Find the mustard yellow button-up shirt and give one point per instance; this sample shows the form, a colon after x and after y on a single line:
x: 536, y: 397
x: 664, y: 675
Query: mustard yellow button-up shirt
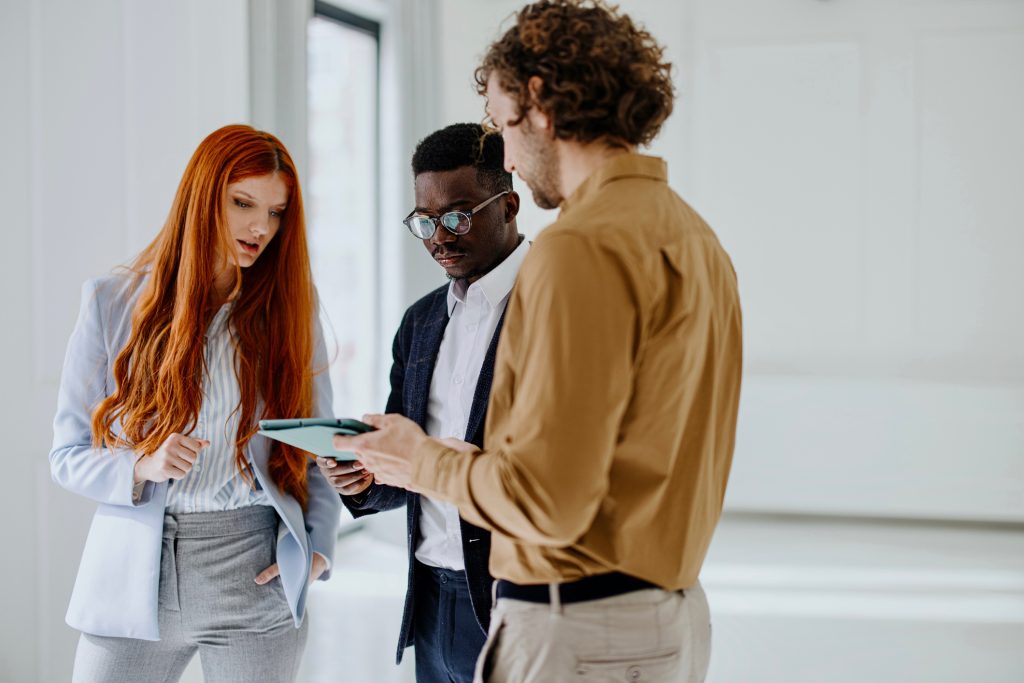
x: 612, y: 416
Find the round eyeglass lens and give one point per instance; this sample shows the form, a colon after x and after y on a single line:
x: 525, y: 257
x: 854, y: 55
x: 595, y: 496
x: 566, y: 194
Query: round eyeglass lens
x: 422, y: 226
x: 456, y: 222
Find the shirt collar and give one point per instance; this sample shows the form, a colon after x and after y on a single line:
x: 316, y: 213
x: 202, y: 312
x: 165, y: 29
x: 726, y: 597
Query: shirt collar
x: 628, y: 165
x: 495, y: 285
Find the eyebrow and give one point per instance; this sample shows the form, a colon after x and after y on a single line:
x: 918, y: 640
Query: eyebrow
x: 249, y: 196
x: 450, y: 207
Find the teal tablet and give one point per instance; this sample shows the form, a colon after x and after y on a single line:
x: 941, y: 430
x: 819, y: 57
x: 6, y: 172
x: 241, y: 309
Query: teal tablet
x: 314, y: 434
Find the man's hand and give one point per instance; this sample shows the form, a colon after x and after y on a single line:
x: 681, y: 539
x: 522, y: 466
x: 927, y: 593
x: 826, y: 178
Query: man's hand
x: 347, y: 478
x: 390, y: 452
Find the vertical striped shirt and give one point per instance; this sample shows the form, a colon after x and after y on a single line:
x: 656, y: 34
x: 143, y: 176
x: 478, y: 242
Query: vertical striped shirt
x: 214, y: 484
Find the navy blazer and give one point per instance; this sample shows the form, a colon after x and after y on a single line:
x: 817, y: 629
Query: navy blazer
x: 414, y: 351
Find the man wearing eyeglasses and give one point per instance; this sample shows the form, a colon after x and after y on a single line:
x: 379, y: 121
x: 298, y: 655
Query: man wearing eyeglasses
x: 441, y: 379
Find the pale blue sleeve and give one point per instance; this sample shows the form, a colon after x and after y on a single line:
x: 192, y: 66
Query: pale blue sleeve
x: 101, y: 474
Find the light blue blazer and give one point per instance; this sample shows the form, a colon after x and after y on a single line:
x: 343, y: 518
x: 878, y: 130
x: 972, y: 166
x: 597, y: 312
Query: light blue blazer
x: 116, y: 589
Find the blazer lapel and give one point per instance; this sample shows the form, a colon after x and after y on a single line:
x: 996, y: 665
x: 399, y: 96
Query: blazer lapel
x: 422, y: 359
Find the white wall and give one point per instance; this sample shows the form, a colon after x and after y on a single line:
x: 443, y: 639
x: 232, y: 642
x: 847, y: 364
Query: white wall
x: 861, y: 164
x: 103, y: 103
x: 18, y: 655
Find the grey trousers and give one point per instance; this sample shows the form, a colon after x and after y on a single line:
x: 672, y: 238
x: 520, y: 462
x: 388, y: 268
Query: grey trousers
x: 209, y: 604
x: 648, y: 636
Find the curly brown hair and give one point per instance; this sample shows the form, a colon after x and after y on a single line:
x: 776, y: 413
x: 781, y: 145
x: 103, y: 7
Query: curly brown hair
x: 603, y: 76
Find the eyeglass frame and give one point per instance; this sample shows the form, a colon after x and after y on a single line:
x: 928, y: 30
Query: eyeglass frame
x: 437, y: 222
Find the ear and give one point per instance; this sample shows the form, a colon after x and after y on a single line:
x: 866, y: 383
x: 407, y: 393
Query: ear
x: 511, y: 206
x: 534, y: 86
x: 538, y: 118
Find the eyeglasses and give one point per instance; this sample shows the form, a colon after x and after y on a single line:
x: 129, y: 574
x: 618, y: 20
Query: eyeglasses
x: 455, y: 222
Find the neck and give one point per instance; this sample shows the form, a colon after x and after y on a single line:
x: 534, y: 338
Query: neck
x: 579, y: 160
x: 223, y: 283
x: 500, y: 259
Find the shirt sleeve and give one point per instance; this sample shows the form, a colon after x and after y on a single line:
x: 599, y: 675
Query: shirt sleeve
x: 571, y: 352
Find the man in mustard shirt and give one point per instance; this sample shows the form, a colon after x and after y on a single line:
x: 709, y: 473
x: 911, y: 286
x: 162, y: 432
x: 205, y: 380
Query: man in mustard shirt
x: 612, y: 416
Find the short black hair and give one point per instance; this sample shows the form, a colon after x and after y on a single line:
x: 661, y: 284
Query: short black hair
x: 464, y: 144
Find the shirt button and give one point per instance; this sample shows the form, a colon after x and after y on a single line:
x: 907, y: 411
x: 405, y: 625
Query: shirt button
x: 457, y: 379
x: 470, y: 328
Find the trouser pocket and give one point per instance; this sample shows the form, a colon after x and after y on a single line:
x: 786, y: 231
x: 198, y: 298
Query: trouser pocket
x: 485, y: 662
x: 630, y: 668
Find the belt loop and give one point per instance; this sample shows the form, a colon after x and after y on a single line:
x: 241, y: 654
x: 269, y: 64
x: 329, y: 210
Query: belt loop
x: 494, y: 592
x: 556, y: 598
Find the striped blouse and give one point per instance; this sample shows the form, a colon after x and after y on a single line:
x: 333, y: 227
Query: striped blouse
x: 213, y: 484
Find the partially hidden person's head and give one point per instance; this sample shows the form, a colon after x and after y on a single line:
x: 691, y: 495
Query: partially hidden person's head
x: 577, y: 71
x: 465, y: 205
x: 236, y: 230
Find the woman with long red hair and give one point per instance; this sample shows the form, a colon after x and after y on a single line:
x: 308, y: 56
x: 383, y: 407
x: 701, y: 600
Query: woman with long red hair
x: 207, y: 534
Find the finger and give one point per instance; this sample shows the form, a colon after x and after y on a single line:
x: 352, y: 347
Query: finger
x: 183, y: 454
x: 326, y: 463
x: 175, y: 472
x: 375, y: 420
x: 344, y: 467
x: 183, y: 462
x: 350, y: 467
x: 349, y: 443
x: 348, y: 479
x: 359, y: 486
x: 267, y: 574
x: 355, y: 489
x: 192, y: 444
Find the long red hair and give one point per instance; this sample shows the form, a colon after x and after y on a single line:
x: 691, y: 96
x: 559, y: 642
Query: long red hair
x: 159, y: 373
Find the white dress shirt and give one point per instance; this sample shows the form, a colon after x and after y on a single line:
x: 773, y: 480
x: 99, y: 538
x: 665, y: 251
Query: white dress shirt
x: 473, y: 311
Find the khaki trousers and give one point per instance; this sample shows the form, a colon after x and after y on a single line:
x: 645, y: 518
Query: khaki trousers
x: 649, y: 636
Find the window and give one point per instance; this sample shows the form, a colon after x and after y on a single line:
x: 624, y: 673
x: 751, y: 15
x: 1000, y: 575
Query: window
x: 343, y: 199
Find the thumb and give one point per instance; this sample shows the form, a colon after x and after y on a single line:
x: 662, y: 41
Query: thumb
x: 267, y: 574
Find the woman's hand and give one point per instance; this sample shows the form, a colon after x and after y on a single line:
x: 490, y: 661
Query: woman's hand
x: 173, y: 460
x: 347, y: 478
x: 318, y: 568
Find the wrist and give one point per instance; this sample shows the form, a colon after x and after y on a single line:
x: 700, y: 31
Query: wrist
x: 359, y: 498
x: 139, y: 475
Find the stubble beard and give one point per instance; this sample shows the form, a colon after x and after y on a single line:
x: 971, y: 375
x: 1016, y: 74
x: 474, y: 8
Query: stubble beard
x: 544, y: 169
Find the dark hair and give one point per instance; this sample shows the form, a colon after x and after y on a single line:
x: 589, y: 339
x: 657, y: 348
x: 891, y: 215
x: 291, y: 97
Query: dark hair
x: 464, y: 144
x: 603, y: 76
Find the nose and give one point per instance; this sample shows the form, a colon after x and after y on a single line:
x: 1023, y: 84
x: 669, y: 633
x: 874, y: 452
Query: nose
x: 260, y: 226
x: 442, y: 236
